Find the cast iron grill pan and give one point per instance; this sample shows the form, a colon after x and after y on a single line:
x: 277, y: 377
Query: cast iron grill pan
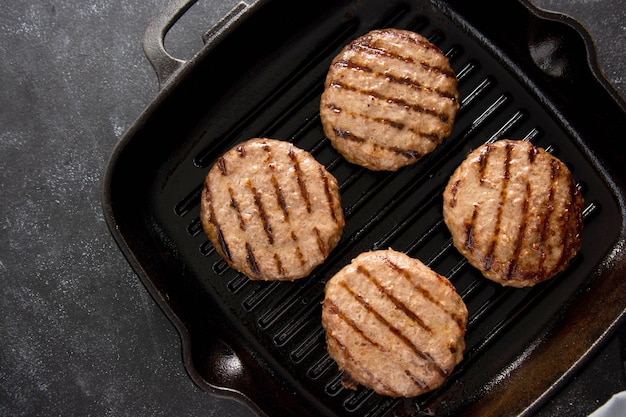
x: 263, y: 342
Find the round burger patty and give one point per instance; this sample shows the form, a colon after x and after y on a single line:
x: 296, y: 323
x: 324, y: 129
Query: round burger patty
x: 390, y: 98
x: 515, y: 212
x: 393, y: 324
x: 271, y: 210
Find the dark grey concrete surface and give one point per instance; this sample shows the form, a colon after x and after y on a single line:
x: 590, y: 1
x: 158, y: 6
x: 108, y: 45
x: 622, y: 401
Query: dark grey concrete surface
x: 80, y: 335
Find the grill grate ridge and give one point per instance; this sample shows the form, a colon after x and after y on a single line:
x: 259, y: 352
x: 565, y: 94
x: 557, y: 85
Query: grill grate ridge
x: 310, y: 343
x: 308, y: 315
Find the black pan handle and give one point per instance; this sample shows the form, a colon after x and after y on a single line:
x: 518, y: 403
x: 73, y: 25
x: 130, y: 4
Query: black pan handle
x: 164, y: 64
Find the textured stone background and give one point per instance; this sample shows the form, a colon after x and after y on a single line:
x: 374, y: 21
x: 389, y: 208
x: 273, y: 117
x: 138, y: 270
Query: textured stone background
x: 80, y: 334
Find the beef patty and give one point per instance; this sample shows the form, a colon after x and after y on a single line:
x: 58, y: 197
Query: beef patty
x: 271, y: 210
x: 393, y: 324
x: 390, y: 98
x: 514, y: 211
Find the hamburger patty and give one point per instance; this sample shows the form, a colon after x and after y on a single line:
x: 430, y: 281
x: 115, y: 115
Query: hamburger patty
x: 514, y: 212
x: 271, y: 210
x: 390, y: 98
x: 393, y: 324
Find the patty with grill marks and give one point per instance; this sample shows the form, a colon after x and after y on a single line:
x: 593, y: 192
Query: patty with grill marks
x: 390, y: 97
x: 271, y: 210
x: 393, y: 324
x: 515, y: 212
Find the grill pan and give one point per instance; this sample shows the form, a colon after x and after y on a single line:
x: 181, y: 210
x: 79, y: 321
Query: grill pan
x: 526, y: 74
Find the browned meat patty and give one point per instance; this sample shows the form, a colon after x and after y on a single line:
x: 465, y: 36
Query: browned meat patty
x: 514, y: 212
x: 393, y: 324
x: 390, y: 98
x: 271, y: 210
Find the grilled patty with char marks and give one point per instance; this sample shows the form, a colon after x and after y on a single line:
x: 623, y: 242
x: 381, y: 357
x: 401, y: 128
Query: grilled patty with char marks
x: 390, y: 97
x: 271, y: 210
x: 515, y: 212
x: 393, y: 324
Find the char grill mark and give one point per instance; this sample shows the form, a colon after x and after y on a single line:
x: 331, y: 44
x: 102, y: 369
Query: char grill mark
x: 329, y: 196
x: 262, y: 212
x: 223, y: 244
x: 424, y: 386
x: 399, y: 304
x: 254, y: 266
x: 279, y: 265
x: 396, y: 125
x: 403, y: 104
x: 532, y: 153
x: 221, y: 163
x: 394, y: 330
x: 345, y: 351
x: 300, y: 180
x: 424, y: 292
x: 503, y: 195
x: 405, y: 81
x: 407, y: 153
x: 470, y: 241
x: 320, y: 243
x: 353, y: 325
x: 455, y: 190
x: 300, y: 255
x: 298, y: 251
x: 282, y: 203
x: 482, y: 163
x: 366, y: 45
x: 235, y: 206
x: 348, y: 135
